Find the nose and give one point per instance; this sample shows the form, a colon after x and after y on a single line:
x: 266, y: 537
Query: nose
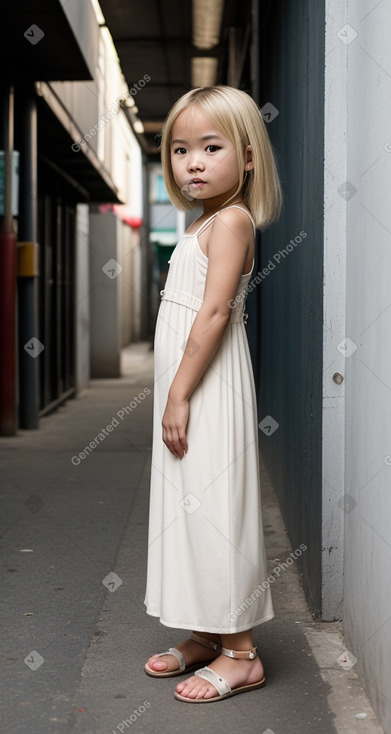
x: 195, y: 163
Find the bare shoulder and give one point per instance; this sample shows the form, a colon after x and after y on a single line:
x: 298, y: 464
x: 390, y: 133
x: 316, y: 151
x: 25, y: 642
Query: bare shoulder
x: 230, y: 227
x: 237, y: 221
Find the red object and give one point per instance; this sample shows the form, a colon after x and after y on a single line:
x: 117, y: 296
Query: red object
x: 123, y: 212
x: 134, y: 222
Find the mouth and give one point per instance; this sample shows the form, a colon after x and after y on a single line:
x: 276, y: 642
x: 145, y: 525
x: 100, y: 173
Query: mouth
x: 196, y: 181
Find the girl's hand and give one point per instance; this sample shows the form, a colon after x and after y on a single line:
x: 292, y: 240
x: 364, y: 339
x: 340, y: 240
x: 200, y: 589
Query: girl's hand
x: 174, y: 422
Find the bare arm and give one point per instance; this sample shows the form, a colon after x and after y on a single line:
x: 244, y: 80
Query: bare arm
x: 229, y: 240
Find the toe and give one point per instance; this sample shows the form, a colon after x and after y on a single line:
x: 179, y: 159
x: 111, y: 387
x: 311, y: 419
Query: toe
x: 194, y: 688
x: 193, y: 692
x: 158, y: 665
x: 210, y: 692
x: 162, y: 664
x: 202, y: 692
x: 189, y: 687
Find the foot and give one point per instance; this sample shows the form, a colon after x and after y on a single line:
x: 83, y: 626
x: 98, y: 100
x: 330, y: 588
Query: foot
x: 192, y: 651
x: 236, y: 672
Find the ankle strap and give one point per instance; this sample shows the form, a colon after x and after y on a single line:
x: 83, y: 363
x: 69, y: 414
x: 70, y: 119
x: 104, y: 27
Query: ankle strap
x: 205, y: 642
x: 239, y: 654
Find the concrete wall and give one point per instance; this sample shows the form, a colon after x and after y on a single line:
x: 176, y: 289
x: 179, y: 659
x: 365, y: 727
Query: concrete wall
x: 115, y: 291
x: 289, y: 297
x: 105, y: 324
x: 131, y: 296
x: 334, y: 315
x: 367, y: 606
x: 82, y: 306
x: 321, y: 315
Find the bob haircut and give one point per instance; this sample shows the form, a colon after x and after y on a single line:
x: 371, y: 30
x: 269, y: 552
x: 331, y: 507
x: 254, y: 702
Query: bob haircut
x: 238, y: 118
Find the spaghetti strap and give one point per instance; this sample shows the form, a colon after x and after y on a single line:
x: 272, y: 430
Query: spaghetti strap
x: 205, y: 224
x: 235, y: 206
x: 212, y: 217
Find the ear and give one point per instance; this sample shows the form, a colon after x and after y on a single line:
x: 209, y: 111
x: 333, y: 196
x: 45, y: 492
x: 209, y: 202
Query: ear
x: 249, y: 159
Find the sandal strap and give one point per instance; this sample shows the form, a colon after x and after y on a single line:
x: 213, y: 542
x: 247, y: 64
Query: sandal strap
x: 177, y: 654
x: 205, y: 642
x: 219, y: 683
x: 240, y: 654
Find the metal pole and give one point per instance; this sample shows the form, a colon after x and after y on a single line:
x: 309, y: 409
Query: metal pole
x: 8, y: 422
x: 146, y: 261
x: 29, y: 344
x: 254, y: 64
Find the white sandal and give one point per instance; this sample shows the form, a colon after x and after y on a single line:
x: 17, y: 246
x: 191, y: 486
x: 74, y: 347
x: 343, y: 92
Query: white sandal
x: 221, y: 685
x: 183, y: 668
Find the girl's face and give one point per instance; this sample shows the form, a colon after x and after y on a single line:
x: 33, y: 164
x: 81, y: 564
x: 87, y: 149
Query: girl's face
x: 204, y: 162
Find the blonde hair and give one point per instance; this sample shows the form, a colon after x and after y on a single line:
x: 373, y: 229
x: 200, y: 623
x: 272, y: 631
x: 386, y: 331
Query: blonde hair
x: 238, y: 118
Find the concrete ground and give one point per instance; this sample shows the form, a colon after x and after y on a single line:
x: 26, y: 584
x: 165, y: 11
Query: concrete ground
x: 75, y: 634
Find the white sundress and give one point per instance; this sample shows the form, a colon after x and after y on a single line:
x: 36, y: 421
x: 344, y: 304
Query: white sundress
x: 206, y: 555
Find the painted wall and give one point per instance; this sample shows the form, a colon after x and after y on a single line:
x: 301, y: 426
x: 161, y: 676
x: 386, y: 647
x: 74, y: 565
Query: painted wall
x: 289, y: 297
x: 323, y: 366
x: 334, y: 316
x: 82, y: 306
x: 114, y: 291
x: 105, y: 278
x: 131, y: 294
x: 367, y: 598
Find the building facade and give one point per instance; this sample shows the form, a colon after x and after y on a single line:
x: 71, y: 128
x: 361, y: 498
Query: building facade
x: 78, y: 207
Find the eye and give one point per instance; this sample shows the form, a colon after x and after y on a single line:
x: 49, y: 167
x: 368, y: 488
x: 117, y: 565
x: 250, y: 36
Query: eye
x: 212, y: 148
x: 180, y: 151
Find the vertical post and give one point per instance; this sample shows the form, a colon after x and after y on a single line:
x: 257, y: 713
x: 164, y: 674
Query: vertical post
x: 255, y: 68
x: 8, y: 422
x: 146, y: 259
x: 29, y: 344
x: 232, y: 74
x: 254, y: 299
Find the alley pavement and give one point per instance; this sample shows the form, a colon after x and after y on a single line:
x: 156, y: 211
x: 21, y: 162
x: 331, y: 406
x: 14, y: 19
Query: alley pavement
x: 74, y: 632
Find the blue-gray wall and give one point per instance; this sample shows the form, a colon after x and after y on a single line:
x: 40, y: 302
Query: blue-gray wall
x: 286, y: 307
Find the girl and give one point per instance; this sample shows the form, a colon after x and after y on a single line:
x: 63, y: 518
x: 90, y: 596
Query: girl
x: 206, y: 556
